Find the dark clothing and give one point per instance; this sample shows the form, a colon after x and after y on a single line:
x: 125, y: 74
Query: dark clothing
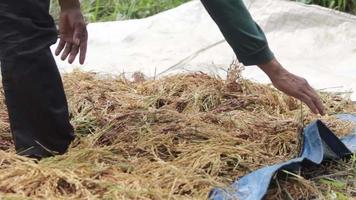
x: 33, y: 88
x: 240, y: 31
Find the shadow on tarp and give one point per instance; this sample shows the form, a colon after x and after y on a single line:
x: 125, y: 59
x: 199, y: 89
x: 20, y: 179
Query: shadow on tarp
x: 320, y: 144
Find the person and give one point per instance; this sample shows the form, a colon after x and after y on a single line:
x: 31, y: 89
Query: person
x: 34, y: 93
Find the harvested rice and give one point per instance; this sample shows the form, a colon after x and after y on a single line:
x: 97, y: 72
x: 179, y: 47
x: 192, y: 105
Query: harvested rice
x: 175, y: 138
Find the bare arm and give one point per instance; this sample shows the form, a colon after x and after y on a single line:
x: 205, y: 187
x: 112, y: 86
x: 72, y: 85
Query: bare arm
x: 69, y: 4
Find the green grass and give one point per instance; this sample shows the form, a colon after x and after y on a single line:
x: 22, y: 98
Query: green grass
x: 113, y: 10
x: 341, y: 5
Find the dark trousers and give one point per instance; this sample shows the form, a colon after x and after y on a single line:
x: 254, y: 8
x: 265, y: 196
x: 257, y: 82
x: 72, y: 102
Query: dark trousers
x: 33, y: 87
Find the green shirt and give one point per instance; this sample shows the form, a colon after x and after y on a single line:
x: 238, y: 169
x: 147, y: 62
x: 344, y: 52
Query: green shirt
x: 240, y: 31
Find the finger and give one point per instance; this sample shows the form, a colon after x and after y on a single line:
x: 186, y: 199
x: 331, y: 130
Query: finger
x: 66, y: 51
x: 83, y: 48
x: 60, y: 47
x: 78, y: 33
x: 83, y: 52
x: 73, y: 54
x: 316, y: 99
x: 307, y: 100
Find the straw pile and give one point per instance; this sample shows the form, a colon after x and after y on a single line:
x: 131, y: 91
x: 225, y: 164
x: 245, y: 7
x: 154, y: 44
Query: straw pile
x: 174, y: 138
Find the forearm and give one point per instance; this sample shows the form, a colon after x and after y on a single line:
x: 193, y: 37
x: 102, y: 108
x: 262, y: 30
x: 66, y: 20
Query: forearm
x: 272, y: 68
x: 69, y: 4
x: 240, y: 30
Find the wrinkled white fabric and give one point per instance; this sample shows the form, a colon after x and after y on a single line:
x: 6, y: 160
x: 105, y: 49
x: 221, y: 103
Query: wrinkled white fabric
x: 316, y: 43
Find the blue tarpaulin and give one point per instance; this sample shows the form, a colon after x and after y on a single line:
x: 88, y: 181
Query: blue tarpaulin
x: 320, y: 144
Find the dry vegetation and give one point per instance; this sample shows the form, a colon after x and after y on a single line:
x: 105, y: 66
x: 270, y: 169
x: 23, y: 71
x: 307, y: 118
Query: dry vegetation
x: 174, y: 138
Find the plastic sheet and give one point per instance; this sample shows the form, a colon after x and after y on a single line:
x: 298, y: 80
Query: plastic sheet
x: 320, y: 144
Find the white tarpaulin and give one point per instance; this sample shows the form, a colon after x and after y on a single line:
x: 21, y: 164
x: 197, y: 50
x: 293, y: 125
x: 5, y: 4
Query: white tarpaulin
x: 316, y: 43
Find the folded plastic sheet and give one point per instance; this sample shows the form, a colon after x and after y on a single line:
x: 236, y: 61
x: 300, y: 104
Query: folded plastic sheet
x: 320, y: 144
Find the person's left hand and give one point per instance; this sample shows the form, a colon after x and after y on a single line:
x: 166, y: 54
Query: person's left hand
x: 73, y: 35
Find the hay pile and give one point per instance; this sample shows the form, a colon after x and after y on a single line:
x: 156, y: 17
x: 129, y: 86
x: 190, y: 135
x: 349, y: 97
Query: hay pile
x: 174, y: 138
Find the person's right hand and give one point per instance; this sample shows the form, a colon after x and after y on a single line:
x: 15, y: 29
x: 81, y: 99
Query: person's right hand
x: 73, y: 32
x: 293, y: 85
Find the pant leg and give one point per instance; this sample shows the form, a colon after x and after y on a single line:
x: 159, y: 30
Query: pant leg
x: 33, y: 87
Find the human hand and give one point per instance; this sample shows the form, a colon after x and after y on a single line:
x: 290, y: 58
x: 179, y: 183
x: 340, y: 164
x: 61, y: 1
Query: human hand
x: 73, y: 35
x: 293, y: 85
